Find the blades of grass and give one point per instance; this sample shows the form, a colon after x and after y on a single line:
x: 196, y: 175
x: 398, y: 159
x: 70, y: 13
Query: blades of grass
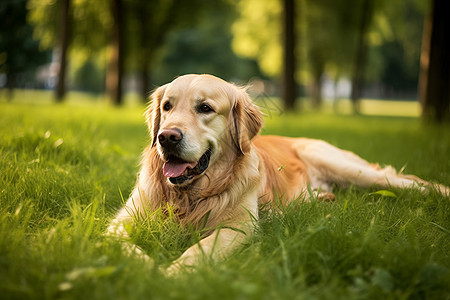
x: 205, y: 221
x: 384, y: 193
x: 440, y: 227
x: 285, y: 260
x: 345, y: 205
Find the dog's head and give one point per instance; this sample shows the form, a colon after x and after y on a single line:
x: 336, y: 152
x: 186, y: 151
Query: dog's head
x: 197, y: 120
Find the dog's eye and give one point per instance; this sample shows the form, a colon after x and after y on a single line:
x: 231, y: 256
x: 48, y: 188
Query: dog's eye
x: 167, y: 106
x: 205, y: 108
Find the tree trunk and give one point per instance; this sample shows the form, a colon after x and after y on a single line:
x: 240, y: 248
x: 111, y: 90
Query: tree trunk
x: 425, y: 60
x: 434, y: 85
x: 317, y: 91
x: 116, y: 58
x: 145, y: 79
x: 64, y: 40
x: 145, y: 53
x: 361, y: 54
x: 10, y: 85
x: 288, y: 84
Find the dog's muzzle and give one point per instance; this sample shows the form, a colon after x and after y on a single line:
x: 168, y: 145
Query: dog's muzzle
x: 179, y: 171
x: 175, y: 168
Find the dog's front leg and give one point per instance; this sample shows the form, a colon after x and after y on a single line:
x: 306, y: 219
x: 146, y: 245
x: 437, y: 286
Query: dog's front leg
x: 219, y: 244
x: 225, y: 239
x: 124, y: 218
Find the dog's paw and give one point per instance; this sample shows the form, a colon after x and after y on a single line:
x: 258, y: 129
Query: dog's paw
x: 325, y: 196
x: 184, y: 263
x: 444, y: 190
x: 135, y: 251
x: 173, y: 270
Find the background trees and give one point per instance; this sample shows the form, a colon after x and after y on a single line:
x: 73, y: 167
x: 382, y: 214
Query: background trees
x: 75, y: 29
x: 149, y: 24
x: 19, y: 52
x: 289, y: 61
x: 115, y: 44
x: 435, y: 62
x: 374, y: 44
x: 65, y: 23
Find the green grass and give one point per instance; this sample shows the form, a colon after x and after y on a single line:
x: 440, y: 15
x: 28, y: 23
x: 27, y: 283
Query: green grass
x: 63, y: 169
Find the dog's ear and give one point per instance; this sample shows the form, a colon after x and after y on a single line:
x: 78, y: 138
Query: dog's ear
x: 153, y: 113
x: 246, y: 121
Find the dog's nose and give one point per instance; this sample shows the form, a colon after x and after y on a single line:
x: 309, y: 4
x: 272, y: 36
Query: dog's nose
x: 170, y: 137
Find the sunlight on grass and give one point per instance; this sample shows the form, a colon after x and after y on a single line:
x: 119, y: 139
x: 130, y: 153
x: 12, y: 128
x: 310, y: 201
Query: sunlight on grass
x: 73, y: 98
x: 391, y: 108
x: 384, y: 107
x: 342, y: 106
x: 375, y: 107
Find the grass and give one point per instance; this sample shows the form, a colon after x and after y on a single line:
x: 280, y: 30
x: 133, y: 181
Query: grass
x: 63, y: 169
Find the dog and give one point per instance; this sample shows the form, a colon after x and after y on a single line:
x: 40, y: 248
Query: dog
x: 208, y: 162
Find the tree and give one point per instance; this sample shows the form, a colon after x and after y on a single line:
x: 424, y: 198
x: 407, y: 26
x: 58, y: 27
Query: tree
x: 64, y: 41
x: 52, y: 22
x: 79, y: 19
x: 100, y: 25
x: 434, y: 88
x: 114, y: 74
x: 323, y: 29
x: 394, y: 56
x: 367, y: 11
x: 289, y: 62
x: 19, y: 52
x: 257, y: 34
x: 329, y: 41
x: 274, y: 47
x: 150, y: 22
x: 182, y: 54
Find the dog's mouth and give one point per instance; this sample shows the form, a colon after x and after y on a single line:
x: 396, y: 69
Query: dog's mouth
x: 179, y: 171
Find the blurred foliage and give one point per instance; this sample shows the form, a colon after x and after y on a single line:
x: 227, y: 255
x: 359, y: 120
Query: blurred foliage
x: 89, y: 37
x: 327, y: 31
x: 234, y: 39
x: 149, y: 24
x: 89, y: 77
x: 257, y: 33
x: 90, y: 29
x: 399, y: 25
x: 204, y: 49
x: 19, y: 52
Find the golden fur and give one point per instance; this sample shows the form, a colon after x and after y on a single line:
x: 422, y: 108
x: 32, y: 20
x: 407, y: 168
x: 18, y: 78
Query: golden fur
x: 244, y: 169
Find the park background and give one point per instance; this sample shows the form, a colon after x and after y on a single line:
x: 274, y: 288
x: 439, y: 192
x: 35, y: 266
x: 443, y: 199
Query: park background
x: 368, y: 76
x: 301, y: 51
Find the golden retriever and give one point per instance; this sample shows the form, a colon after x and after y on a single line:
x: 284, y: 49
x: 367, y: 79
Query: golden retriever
x: 208, y: 162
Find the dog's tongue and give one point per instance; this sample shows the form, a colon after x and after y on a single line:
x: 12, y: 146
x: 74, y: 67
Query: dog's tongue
x: 175, y: 169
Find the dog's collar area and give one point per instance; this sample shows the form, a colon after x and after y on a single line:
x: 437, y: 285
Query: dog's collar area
x: 175, y: 166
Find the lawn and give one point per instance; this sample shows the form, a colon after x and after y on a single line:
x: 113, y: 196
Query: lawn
x: 64, y: 169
